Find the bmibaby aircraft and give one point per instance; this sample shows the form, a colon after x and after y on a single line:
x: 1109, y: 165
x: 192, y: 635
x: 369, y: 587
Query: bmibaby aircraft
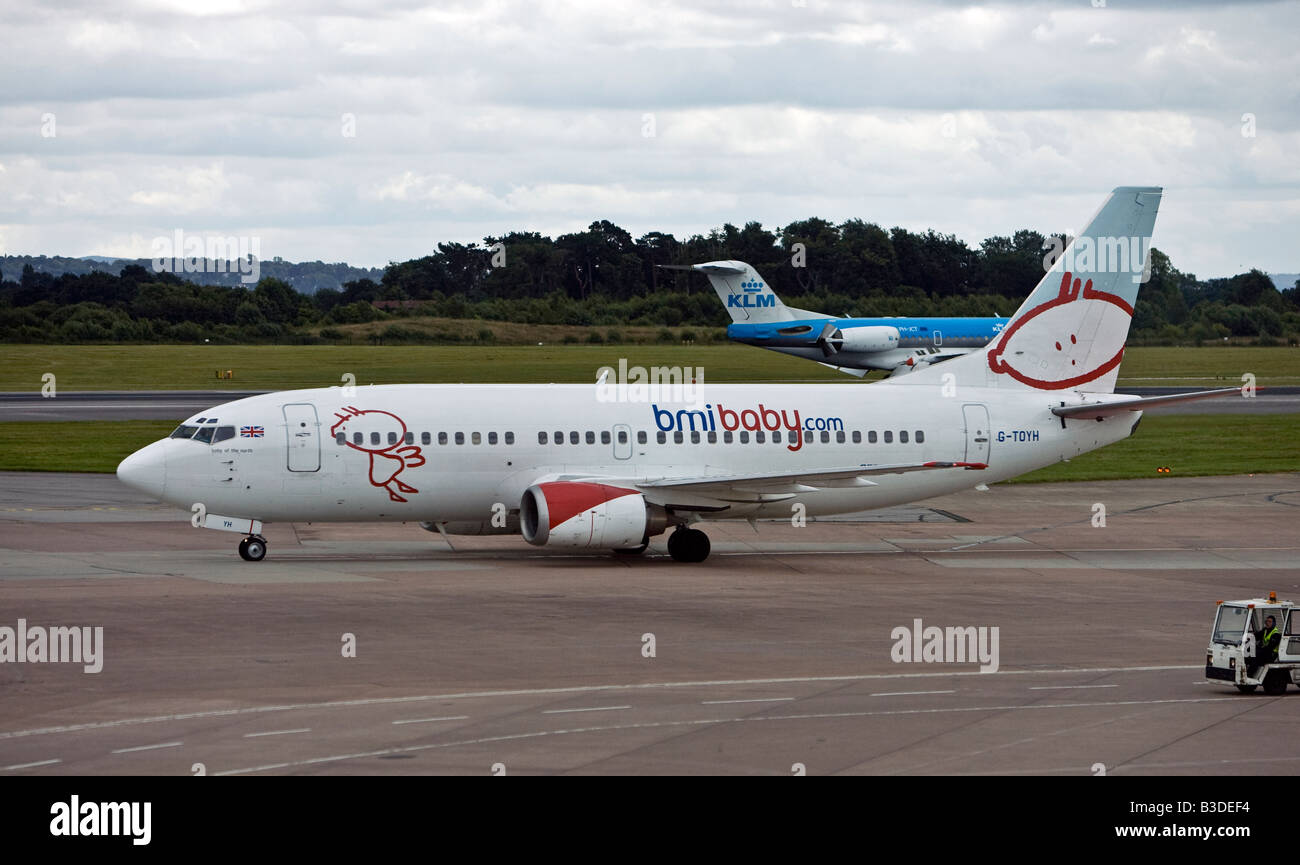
x: 851, y: 345
x: 607, y: 466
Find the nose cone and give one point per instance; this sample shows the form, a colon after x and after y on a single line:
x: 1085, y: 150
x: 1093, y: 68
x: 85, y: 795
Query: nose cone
x: 146, y: 469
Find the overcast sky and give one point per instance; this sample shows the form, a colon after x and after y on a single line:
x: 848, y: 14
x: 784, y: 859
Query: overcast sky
x: 232, y: 117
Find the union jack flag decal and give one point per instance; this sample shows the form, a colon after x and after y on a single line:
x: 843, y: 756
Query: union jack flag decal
x: 251, y: 432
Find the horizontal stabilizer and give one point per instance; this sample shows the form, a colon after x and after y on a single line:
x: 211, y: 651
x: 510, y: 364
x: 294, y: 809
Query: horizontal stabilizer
x: 1100, y: 410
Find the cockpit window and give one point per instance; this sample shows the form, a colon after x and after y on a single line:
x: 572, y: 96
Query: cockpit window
x: 205, y: 434
x: 223, y: 433
x: 184, y: 432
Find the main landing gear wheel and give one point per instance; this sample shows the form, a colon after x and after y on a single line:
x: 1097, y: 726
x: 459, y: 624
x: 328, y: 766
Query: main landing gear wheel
x: 252, y: 548
x: 688, y: 545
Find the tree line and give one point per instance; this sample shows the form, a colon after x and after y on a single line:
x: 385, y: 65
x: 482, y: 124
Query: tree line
x: 604, y: 277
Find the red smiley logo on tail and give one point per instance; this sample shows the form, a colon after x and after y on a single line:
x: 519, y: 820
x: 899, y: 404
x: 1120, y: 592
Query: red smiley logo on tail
x: 387, y: 461
x: 1045, y: 349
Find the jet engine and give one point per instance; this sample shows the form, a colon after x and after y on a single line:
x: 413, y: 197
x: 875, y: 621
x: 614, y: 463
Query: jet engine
x: 584, y: 515
x: 857, y: 339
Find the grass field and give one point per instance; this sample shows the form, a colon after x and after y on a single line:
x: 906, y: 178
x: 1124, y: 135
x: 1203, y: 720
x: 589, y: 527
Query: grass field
x: 278, y: 367
x: 1188, y: 444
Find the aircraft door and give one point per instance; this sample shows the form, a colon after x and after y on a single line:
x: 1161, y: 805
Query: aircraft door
x: 622, y: 441
x: 938, y: 338
x: 977, y: 433
x: 302, y: 430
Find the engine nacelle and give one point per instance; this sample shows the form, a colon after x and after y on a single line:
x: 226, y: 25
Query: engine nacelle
x: 585, y: 515
x: 867, y: 339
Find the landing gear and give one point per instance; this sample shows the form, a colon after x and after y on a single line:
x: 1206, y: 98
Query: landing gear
x: 252, y: 548
x: 688, y: 545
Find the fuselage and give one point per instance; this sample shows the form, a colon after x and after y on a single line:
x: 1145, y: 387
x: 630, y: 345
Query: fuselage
x: 458, y: 453
x: 909, y: 338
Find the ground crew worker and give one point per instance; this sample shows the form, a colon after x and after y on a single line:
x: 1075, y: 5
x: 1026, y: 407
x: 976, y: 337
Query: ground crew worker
x: 1269, y: 641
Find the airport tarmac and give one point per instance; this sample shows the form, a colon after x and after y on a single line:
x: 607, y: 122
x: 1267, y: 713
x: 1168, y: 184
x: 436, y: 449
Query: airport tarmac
x: 178, y: 405
x: 775, y: 654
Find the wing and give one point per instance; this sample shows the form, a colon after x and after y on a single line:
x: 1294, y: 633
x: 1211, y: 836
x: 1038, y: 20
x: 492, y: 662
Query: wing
x: 757, y: 488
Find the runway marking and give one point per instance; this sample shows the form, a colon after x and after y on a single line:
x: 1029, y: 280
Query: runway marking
x: 431, y: 720
x: 1067, y: 687
x: 147, y: 747
x: 277, y: 732
x: 591, y: 709
x: 759, y: 700
x: 696, y: 723
x: 575, y: 689
x: 17, y: 766
x: 909, y: 693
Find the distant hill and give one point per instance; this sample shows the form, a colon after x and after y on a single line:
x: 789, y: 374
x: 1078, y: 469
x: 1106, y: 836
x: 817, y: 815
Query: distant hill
x: 307, y: 277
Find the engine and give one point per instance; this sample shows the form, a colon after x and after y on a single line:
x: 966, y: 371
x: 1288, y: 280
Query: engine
x: 865, y: 339
x: 586, y: 515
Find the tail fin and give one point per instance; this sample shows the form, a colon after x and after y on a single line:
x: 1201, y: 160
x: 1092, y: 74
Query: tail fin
x: 1070, y: 332
x: 745, y: 294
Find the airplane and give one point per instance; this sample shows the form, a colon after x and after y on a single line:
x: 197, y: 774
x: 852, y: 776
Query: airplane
x: 851, y: 345
x: 576, y: 467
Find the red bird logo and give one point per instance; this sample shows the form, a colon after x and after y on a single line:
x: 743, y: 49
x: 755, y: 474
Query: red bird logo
x: 386, y: 460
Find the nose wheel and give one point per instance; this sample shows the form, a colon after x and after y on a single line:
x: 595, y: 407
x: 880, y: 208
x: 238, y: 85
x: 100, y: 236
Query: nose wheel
x: 252, y: 548
x: 688, y: 545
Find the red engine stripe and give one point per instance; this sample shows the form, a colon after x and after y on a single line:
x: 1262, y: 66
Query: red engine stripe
x: 565, y: 499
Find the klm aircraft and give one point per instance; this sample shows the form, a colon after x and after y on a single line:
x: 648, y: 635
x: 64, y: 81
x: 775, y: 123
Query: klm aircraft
x: 851, y: 345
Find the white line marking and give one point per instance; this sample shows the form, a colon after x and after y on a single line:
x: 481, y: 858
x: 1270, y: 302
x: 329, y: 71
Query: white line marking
x: 592, y: 709
x: 749, y: 719
x: 576, y: 689
x: 431, y: 720
x: 763, y: 700
x: 16, y: 766
x: 146, y: 747
x: 1067, y: 687
x: 277, y: 732
x: 909, y: 693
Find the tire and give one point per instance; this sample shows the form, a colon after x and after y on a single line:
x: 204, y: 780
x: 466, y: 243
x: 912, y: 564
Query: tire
x: 689, y: 545
x: 243, y: 549
x: 255, y: 549
x: 1275, y: 683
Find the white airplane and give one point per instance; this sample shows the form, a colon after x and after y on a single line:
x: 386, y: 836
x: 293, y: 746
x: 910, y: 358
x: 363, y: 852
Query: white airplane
x: 580, y: 467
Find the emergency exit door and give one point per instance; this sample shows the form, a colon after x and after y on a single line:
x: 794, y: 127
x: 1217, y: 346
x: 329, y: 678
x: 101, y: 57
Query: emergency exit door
x: 977, y: 433
x: 302, y: 430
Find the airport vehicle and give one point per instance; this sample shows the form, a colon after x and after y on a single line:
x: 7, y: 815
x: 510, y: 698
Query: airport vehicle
x: 1236, y: 651
x: 608, y: 466
x: 851, y: 345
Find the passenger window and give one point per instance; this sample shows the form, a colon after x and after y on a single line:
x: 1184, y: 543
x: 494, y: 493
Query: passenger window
x: 889, y: 436
x: 425, y: 438
x: 392, y: 438
x: 678, y: 437
x: 573, y: 437
x: 695, y: 437
x: 661, y: 437
x: 410, y: 438
x: 839, y: 436
x: 604, y: 437
x: 902, y: 436
x: 640, y: 437
x: 744, y: 437
x: 357, y: 438
x: 374, y: 438
x: 857, y: 436
x: 442, y: 438
x: 205, y: 434
x: 776, y: 436
x: 341, y: 438
x: 591, y: 438
x: 713, y: 437
x: 871, y: 437
x: 826, y: 437
x: 920, y: 436
x: 541, y: 438
x: 559, y: 437
x: 476, y: 438
x: 622, y: 436
x: 728, y: 437
x: 760, y: 436
x: 492, y: 438
x: 510, y: 438
x: 228, y: 432
x: 460, y: 438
